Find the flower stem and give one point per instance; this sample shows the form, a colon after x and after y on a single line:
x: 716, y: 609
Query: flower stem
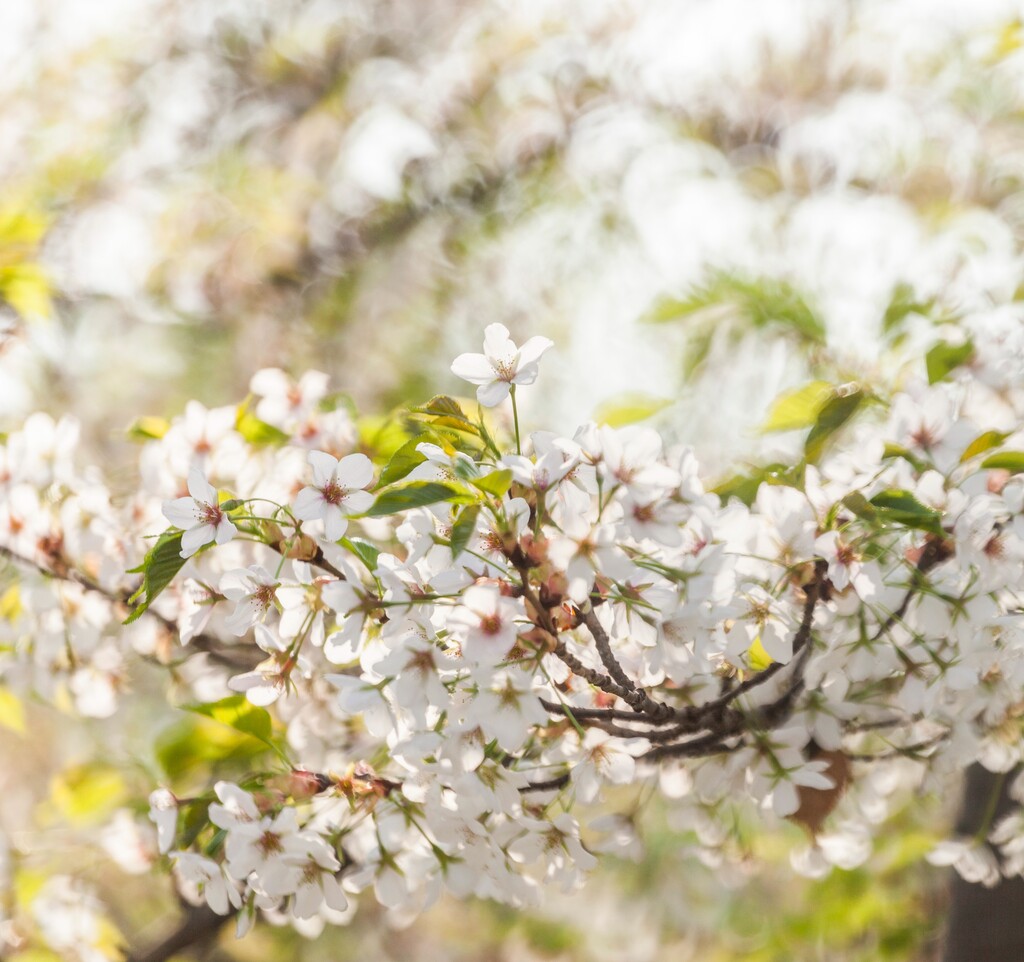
x: 515, y: 416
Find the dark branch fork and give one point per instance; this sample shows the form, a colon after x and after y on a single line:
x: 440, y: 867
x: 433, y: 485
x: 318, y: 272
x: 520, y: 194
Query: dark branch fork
x: 713, y: 727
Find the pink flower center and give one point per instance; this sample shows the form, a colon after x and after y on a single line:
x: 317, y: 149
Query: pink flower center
x: 490, y: 624
x: 263, y: 597
x: 994, y: 548
x: 210, y: 514
x: 270, y: 843
x: 505, y: 369
x: 333, y: 492
x: 845, y: 555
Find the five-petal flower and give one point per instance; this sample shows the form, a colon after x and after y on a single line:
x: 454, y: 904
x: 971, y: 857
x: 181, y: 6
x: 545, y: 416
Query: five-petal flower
x: 200, y: 516
x: 501, y: 365
x: 336, y: 493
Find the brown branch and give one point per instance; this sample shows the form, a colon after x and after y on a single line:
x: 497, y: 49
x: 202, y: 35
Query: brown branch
x: 546, y: 786
x: 637, y: 699
x: 201, y: 924
x: 231, y: 656
x: 933, y: 554
x: 604, y: 649
x: 711, y: 744
x: 596, y: 678
x: 800, y: 640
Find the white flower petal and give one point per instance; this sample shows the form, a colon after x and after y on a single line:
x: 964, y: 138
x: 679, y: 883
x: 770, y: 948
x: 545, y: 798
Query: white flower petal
x: 474, y: 368
x: 532, y: 350
x: 335, y: 523
x: 355, y: 471
x: 356, y: 502
x: 324, y: 467
x: 497, y: 343
x: 309, y: 504
x: 200, y: 488
x: 193, y: 539
x: 491, y: 395
x: 180, y: 512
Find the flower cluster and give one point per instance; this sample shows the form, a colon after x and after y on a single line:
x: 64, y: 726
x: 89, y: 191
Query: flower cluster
x: 450, y: 646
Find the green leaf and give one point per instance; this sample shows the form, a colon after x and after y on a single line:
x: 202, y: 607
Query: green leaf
x: 1012, y: 461
x: 901, y: 304
x: 898, y: 451
x: 404, y: 460
x: 195, y: 746
x: 745, y: 486
x: 799, y: 408
x: 945, y: 357
x: 237, y: 712
x: 447, y: 410
x: 629, y: 408
x: 463, y: 528
x: 833, y: 415
x: 148, y: 429
x: 496, y: 483
x: 860, y: 506
x: 363, y: 550
x: 161, y: 564
x: 983, y: 442
x: 760, y: 301
x: 413, y: 494
x: 742, y: 486
x: 899, y: 506
x: 257, y: 432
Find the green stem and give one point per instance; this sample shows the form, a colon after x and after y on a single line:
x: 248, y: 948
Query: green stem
x: 515, y: 416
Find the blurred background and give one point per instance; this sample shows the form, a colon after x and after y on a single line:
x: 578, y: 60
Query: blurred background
x: 703, y: 202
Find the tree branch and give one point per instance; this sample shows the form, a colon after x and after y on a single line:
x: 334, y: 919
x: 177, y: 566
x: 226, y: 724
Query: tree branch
x: 200, y: 925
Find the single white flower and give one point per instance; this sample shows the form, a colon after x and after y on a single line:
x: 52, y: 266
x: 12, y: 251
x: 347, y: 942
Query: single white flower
x: 336, y: 493
x: 845, y: 565
x: 200, y: 516
x: 501, y: 365
x: 484, y: 624
x: 201, y: 878
x: 253, y: 591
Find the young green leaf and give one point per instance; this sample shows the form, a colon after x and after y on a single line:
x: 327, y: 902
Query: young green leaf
x: 945, y: 357
x: 414, y: 494
x: 446, y: 407
x: 463, y: 529
x: 898, y: 506
x: 363, y: 550
x: 148, y: 428
x: 799, y: 408
x: 983, y: 442
x: 404, y: 460
x: 257, y: 432
x: 860, y: 506
x: 836, y: 411
x: 496, y: 483
x: 1012, y: 461
x: 161, y: 564
x: 237, y: 712
x: 898, y: 451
